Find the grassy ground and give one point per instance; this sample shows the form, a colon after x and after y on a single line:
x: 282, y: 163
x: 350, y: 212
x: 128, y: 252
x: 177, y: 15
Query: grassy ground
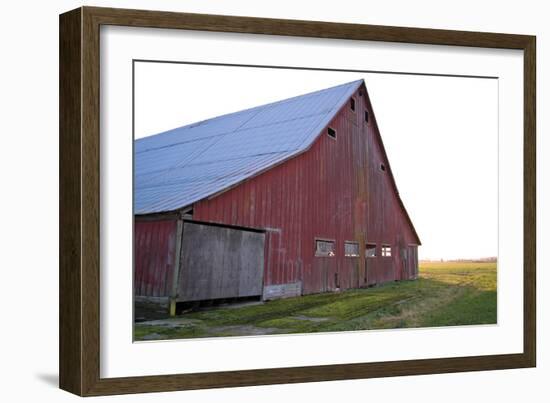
x: 446, y: 294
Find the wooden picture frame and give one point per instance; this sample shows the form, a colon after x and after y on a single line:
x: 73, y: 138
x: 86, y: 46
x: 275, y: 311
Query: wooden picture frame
x: 79, y: 201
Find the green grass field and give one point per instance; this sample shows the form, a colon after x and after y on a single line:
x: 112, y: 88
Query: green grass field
x: 446, y: 294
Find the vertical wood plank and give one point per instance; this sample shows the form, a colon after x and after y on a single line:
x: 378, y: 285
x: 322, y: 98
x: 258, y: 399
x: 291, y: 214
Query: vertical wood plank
x: 177, y: 267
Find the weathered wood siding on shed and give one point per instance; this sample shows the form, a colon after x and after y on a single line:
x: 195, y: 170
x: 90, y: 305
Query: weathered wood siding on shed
x: 332, y: 191
x: 220, y: 262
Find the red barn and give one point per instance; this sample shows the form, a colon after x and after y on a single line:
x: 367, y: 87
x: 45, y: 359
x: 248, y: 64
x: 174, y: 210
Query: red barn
x: 289, y: 198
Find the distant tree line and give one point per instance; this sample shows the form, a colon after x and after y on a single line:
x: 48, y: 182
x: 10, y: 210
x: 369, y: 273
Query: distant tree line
x: 491, y: 259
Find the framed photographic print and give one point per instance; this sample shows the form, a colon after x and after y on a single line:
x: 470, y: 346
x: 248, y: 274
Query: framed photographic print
x: 248, y: 201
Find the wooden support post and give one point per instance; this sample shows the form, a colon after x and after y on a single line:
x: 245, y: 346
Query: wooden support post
x: 177, y: 268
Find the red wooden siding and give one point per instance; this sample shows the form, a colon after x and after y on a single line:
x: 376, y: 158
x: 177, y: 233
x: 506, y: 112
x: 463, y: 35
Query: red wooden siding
x: 387, y: 222
x: 154, y: 249
x: 333, y: 191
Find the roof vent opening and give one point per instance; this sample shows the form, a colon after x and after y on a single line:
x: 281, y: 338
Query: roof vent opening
x: 331, y: 133
x: 352, y: 104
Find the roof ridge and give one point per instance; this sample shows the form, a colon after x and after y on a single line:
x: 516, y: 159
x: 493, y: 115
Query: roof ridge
x: 200, y: 122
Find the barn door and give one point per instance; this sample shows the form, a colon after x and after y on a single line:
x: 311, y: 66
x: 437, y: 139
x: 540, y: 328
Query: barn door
x: 405, y: 263
x: 220, y: 262
x: 412, y: 261
x: 324, y: 274
x: 370, y: 261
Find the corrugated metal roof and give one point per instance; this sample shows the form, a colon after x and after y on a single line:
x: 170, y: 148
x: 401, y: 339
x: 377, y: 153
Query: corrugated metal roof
x: 177, y: 168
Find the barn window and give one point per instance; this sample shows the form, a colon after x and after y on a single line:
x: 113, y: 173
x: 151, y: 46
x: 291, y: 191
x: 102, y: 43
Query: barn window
x: 351, y: 249
x: 386, y: 250
x: 367, y: 116
x: 382, y: 167
x: 370, y: 250
x: 331, y: 132
x: 324, y: 248
x: 352, y: 104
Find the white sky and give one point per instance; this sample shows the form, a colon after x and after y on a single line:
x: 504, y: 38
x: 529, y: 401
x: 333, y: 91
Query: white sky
x: 440, y: 134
